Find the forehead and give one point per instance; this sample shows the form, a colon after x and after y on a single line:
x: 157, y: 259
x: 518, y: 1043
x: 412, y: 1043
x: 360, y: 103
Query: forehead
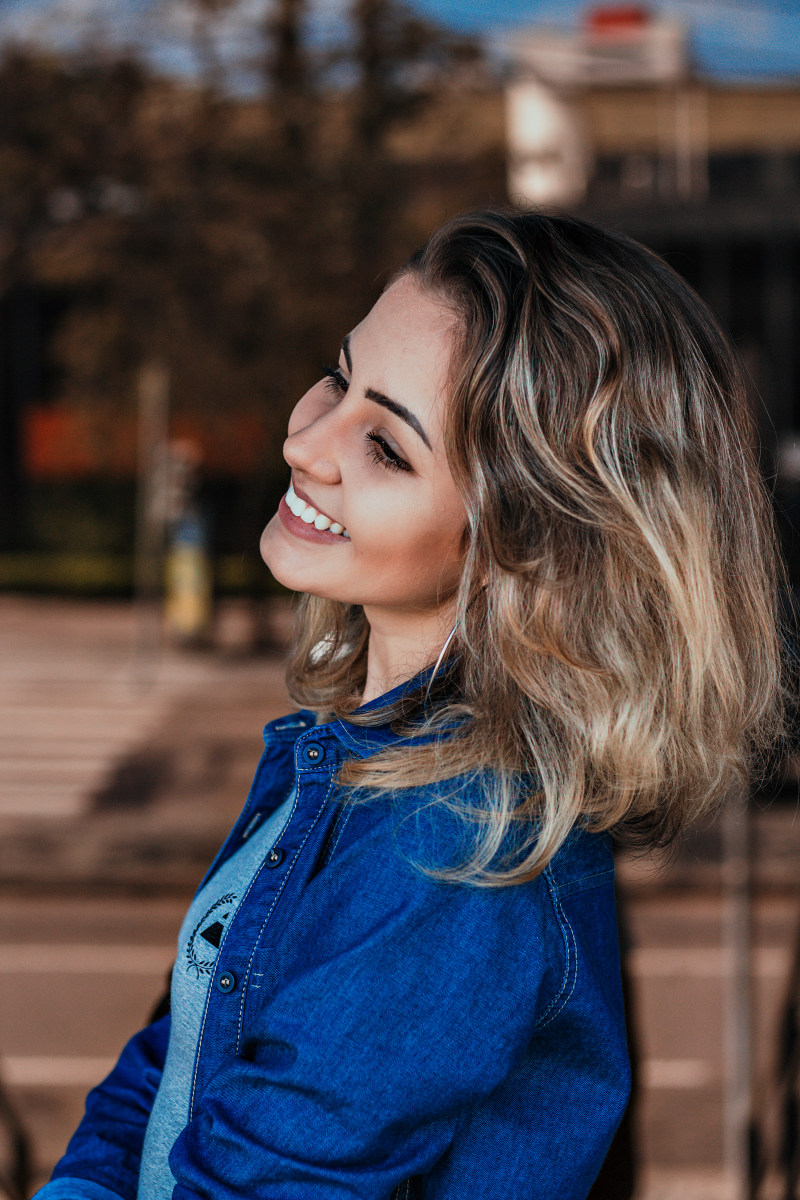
x: 404, y: 345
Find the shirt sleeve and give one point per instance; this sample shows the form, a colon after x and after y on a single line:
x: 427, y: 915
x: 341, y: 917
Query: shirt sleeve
x: 102, y: 1159
x: 402, y: 1005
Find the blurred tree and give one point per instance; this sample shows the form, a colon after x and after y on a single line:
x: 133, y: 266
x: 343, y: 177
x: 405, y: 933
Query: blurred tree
x: 401, y: 61
x: 289, y: 77
x: 56, y: 158
x: 235, y: 237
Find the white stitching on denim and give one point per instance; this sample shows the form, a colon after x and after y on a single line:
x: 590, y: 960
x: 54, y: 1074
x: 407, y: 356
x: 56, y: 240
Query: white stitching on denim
x: 337, y: 820
x: 569, y: 995
x: 344, y: 818
x: 224, y: 936
x: 274, y: 902
x: 554, y: 901
x: 262, y: 762
x: 570, y: 886
x: 290, y: 725
x: 548, y: 1016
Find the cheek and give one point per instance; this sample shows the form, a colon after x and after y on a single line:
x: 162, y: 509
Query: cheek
x: 414, y: 550
x: 393, y: 523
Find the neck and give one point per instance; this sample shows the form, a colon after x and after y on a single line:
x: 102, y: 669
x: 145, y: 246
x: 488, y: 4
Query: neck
x: 396, y: 652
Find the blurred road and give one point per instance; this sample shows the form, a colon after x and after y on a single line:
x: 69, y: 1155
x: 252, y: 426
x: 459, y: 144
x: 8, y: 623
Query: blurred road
x: 133, y: 777
x: 126, y: 766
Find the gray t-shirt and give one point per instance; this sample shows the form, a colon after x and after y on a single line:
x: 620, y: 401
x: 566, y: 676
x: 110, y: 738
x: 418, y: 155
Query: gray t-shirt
x: 199, y: 942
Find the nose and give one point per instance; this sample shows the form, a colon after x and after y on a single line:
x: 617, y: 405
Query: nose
x: 311, y: 445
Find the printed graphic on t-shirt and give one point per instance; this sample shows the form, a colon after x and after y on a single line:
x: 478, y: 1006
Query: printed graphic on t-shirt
x: 204, y: 943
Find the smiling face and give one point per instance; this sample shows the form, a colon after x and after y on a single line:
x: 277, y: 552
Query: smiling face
x: 366, y: 450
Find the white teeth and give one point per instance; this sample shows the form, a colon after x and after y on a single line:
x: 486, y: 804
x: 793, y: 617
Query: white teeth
x: 307, y: 513
x: 294, y: 502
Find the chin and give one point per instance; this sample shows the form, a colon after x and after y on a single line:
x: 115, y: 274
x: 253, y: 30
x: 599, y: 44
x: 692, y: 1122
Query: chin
x: 276, y: 554
x: 282, y: 564
x: 266, y: 539
x: 269, y: 549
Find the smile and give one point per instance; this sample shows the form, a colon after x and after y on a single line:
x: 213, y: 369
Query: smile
x: 312, y: 516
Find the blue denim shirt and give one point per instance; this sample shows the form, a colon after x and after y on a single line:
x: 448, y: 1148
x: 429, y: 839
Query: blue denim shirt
x: 373, y: 1032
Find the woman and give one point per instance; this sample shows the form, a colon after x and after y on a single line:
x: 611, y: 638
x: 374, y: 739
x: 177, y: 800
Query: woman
x: 539, y: 604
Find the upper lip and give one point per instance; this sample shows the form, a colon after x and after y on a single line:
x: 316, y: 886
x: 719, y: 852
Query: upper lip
x: 298, y: 491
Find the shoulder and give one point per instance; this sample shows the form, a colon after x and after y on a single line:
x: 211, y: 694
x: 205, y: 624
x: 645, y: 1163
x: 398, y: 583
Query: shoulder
x: 437, y: 825
x: 584, y: 861
x: 415, y: 840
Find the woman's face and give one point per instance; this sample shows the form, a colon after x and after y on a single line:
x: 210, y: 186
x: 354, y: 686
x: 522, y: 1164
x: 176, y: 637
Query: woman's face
x: 366, y: 450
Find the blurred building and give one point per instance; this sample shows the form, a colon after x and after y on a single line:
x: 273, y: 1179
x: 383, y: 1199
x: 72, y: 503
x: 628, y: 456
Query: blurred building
x: 550, y: 142
x: 611, y: 121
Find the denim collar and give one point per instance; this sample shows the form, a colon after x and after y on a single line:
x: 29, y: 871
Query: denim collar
x: 359, y: 740
x: 364, y: 740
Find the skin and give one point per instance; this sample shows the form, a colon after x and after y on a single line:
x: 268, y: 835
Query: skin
x: 404, y: 555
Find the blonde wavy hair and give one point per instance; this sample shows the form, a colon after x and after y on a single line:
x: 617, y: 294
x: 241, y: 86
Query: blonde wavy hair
x: 616, y: 661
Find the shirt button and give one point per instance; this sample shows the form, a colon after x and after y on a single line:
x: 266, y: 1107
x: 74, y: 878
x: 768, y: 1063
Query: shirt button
x: 226, y: 981
x: 275, y: 856
x: 313, y: 752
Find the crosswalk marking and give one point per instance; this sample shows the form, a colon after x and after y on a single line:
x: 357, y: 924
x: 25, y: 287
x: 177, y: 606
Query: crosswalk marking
x: 75, y: 702
x: 54, y: 1071
x: 71, y: 710
x: 677, y: 1073
x: 696, y: 962
x: 38, y: 801
x: 85, y: 959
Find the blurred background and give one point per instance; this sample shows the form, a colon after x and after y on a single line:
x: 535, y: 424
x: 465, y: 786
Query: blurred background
x: 197, y: 199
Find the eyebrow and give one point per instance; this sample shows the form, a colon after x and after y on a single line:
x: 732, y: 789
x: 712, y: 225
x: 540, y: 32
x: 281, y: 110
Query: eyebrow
x: 393, y: 406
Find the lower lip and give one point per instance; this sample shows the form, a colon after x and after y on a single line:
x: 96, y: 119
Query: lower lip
x: 300, y: 529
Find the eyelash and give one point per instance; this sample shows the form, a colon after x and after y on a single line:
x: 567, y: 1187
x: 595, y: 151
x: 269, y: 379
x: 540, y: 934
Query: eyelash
x: 378, y: 449
x: 335, y: 380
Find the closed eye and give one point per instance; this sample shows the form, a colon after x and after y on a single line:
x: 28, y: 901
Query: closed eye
x: 381, y: 452
x: 335, y: 380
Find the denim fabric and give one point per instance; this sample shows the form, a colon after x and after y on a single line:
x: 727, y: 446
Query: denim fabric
x: 200, y: 941
x: 75, y: 1189
x: 373, y: 1032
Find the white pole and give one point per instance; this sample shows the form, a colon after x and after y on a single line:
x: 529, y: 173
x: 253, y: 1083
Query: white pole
x: 736, y: 1035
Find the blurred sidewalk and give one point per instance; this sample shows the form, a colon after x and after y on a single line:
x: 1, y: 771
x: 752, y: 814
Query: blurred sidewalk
x: 126, y: 769
x: 122, y: 774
